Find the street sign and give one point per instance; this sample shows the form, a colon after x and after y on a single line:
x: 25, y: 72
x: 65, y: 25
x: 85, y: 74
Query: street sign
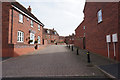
x: 108, y: 38
x: 114, y: 38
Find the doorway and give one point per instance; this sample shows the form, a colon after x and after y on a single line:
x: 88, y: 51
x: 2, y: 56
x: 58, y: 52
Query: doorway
x: 84, y: 44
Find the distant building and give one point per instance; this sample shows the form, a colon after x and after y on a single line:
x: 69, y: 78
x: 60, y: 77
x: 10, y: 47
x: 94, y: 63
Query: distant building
x: 50, y: 35
x: 70, y: 39
x: 100, y: 30
x: 61, y: 39
x: 21, y: 30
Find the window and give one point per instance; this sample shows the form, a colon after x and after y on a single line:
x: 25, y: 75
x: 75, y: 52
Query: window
x: 49, y: 36
x: 21, y: 18
x: 84, y: 27
x: 27, y: 19
x: 49, y: 41
x: 38, y: 39
x: 48, y: 31
x: 20, y: 36
x: 52, y: 37
x: 84, y: 34
x: 31, y: 23
x: 32, y: 37
x: 55, y: 33
x: 99, y: 16
x: 39, y: 27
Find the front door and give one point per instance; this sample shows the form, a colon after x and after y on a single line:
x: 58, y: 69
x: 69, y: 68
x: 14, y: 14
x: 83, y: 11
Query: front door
x: 32, y: 37
x: 84, y: 45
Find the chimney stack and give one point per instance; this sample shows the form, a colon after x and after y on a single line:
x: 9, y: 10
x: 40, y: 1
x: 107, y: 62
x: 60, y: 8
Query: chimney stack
x: 29, y: 8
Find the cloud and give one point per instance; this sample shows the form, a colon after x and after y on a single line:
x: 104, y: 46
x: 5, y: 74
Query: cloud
x: 63, y: 15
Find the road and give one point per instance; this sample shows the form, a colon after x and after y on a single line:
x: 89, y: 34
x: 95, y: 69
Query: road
x: 52, y: 61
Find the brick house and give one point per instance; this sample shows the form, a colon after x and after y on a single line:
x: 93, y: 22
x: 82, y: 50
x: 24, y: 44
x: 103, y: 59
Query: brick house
x: 61, y: 39
x: 100, y: 30
x: 21, y: 30
x: 70, y: 39
x: 50, y: 36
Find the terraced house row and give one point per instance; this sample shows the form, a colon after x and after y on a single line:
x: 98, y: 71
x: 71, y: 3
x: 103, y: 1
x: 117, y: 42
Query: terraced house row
x: 22, y: 32
x: 50, y: 36
x: 100, y: 30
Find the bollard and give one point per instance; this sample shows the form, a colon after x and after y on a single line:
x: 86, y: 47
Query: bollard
x: 69, y: 46
x: 77, y: 52
x: 88, y: 56
x: 72, y: 48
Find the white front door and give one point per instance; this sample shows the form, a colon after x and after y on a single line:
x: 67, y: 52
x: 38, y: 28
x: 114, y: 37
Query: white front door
x: 32, y: 37
x: 39, y: 40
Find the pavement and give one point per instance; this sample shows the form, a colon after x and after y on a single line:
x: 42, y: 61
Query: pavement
x: 110, y: 68
x: 53, y: 61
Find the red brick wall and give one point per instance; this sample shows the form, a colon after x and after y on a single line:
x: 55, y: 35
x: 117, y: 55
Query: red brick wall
x: 79, y: 35
x: 8, y: 48
x: 0, y: 29
x: 25, y: 49
x: 25, y: 27
x: 119, y: 32
x: 50, y: 37
x: 96, y: 33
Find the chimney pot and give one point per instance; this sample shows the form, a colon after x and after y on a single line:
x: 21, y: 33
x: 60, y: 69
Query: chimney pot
x: 29, y: 8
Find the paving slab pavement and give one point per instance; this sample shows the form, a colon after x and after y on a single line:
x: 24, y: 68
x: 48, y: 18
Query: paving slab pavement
x: 110, y: 67
x: 56, y: 60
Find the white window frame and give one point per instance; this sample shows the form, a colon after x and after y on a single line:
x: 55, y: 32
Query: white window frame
x: 39, y: 40
x: 32, y: 37
x: 20, y: 18
x: 84, y: 27
x: 27, y: 19
x: 32, y: 24
x: 99, y: 16
x: 48, y: 31
x: 55, y: 33
x: 39, y: 27
x: 20, y: 36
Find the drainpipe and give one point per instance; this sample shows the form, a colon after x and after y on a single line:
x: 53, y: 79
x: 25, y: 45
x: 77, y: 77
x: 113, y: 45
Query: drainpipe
x: 12, y: 27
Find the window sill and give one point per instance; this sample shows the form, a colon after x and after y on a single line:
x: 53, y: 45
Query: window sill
x: 20, y: 22
x: 100, y: 22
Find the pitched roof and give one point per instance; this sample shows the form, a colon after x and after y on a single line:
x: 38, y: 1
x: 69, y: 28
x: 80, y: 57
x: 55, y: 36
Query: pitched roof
x: 51, y: 30
x: 22, y: 8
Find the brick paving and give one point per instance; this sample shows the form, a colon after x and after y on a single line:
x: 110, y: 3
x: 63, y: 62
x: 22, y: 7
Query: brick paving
x: 108, y: 65
x: 52, y: 61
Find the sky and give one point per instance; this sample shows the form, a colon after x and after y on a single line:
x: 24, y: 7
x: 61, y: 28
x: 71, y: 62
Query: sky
x: 62, y: 15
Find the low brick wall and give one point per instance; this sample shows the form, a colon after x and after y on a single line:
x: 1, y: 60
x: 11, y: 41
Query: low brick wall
x: 25, y: 49
x: 20, y: 49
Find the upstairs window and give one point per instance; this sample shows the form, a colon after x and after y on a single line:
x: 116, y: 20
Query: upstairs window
x: 48, y: 31
x: 39, y: 27
x: 20, y: 36
x: 84, y: 27
x: 32, y: 23
x: 27, y: 19
x: 55, y: 33
x: 99, y: 16
x: 21, y: 18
